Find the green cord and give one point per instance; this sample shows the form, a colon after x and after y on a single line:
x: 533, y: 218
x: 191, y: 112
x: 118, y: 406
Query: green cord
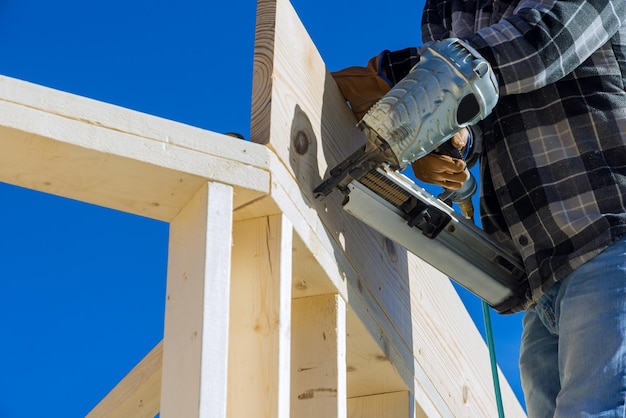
x: 492, y: 356
x: 492, y: 348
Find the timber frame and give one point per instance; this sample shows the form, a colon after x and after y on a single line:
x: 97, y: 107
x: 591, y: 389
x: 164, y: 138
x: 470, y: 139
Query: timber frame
x: 277, y: 304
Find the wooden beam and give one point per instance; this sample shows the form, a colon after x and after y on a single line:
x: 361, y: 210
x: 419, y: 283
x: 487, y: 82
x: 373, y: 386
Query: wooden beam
x: 299, y: 113
x: 320, y: 267
x: 318, y: 349
x: 138, y: 394
x: 260, y: 318
x: 74, y: 147
x: 195, y: 351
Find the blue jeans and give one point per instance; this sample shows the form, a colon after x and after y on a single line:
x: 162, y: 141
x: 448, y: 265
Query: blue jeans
x: 573, y: 351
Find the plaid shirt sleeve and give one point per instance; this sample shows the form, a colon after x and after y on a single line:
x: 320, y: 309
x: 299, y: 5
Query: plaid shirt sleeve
x: 395, y: 65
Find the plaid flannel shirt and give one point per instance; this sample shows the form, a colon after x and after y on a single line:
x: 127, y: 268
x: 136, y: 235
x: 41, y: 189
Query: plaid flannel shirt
x: 553, y: 160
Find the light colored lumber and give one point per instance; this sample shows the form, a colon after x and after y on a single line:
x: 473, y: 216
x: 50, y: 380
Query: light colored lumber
x: 302, y: 102
x: 291, y: 201
x: 405, y: 323
x: 392, y: 404
x: 445, y: 319
x: 116, y: 118
x: 330, y: 271
x: 298, y: 112
x: 260, y: 318
x: 318, y: 349
x: 138, y: 394
x: 99, y: 153
x: 369, y: 369
x: 195, y: 351
x: 309, y: 276
x: 74, y: 147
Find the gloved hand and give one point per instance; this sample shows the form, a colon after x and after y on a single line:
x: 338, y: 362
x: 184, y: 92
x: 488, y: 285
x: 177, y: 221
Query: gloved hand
x: 444, y: 170
x: 362, y: 86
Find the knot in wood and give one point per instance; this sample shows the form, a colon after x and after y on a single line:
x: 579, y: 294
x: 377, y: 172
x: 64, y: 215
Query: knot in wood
x: 390, y: 249
x: 301, y: 142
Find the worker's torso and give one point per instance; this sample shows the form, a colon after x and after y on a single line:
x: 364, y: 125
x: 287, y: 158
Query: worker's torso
x: 553, y: 169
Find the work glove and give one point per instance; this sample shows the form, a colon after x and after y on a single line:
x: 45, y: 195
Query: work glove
x: 443, y: 170
x: 362, y: 86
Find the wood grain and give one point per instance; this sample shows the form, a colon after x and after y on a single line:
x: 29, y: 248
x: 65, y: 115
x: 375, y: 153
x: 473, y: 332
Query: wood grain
x: 410, y: 308
x: 260, y: 318
x: 138, y: 394
x: 195, y: 348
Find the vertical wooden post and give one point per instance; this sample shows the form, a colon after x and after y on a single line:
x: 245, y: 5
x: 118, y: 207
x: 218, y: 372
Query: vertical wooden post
x: 259, y: 356
x: 318, y: 347
x: 195, y: 349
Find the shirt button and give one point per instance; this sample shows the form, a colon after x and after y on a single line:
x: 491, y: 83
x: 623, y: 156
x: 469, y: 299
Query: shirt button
x: 522, y: 240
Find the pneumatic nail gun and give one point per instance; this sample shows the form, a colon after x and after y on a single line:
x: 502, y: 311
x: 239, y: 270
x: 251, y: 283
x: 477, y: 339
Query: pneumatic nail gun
x: 450, y: 88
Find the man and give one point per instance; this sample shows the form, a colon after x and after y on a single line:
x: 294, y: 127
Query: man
x: 553, y: 175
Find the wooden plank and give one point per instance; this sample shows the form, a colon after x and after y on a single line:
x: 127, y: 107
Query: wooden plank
x: 260, y: 318
x: 318, y: 349
x: 70, y: 146
x: 447, y: 336
x: 195, y: 351
x: 335, y: 270
x: 334, y: 120
x: 309, y: 277
x: 291, y: 201
x: 286, y: 60
x: 108, y: 116
x: 299, y: 113
x: 138, y: 394
x: 329, y: 251
x: 369, y: 369
x: 392, y: 404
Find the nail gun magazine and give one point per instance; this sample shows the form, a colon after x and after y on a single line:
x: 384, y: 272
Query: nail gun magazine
x: 450, y: 88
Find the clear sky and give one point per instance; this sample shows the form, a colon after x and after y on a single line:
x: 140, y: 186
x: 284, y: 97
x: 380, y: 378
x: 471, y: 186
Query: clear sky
x: 83, y: 287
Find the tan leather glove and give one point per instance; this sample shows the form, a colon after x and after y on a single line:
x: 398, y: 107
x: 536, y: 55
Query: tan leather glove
x: 443, y: 170
x: 361, y: 86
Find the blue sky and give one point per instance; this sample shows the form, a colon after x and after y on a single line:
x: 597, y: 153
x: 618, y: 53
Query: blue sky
x: 83, y: 286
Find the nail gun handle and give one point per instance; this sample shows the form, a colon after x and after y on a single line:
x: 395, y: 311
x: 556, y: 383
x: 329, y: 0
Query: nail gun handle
x: 450, y: 150
x: 463, y: 196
